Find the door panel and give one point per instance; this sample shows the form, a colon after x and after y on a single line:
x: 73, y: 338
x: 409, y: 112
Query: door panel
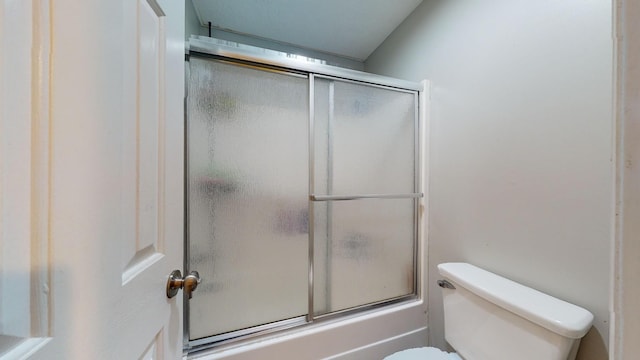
x: 365, y: 143
x: 107, y: 115
x: 364, y: 139
x: 150, y: 165
x: 364, y: 254
x: 248, y: 180
x: 142, y: 246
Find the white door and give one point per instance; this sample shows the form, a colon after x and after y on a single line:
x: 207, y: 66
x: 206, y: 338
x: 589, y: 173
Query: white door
x: 91, y: 180
x: 91, y: 193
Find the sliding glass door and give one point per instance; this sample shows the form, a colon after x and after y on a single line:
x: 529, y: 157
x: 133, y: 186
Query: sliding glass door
x: 364, y: 192
x: 247, y: 201
x: 301, y: 200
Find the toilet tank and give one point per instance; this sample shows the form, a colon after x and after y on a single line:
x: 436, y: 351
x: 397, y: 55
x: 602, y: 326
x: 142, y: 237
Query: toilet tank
x: 488, y: 317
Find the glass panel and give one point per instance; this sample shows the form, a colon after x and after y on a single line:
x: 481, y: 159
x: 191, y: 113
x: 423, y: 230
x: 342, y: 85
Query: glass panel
x: 248, y: 192
x: 363, y: 252
x: 364, y: 139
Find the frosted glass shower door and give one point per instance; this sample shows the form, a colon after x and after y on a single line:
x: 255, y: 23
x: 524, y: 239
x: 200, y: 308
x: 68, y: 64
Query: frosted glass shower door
x: 365, y: 186
x: 247, y: 195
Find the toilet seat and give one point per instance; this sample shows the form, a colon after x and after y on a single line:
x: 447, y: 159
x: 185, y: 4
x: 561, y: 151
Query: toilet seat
x: 425, y: 353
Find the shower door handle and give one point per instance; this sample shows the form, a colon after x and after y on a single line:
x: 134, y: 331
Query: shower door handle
x: 189, y: 283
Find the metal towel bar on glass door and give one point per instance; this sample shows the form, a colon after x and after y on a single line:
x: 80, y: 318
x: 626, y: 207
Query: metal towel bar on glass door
x: 313, y: 197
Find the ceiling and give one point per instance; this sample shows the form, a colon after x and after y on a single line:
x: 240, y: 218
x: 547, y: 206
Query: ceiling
x: 348, y: 28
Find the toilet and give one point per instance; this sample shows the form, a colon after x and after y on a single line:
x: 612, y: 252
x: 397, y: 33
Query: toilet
x: 488, y: 317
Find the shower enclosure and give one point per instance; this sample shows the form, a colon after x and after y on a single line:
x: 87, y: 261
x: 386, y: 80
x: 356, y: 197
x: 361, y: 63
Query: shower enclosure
x: 302, y: 192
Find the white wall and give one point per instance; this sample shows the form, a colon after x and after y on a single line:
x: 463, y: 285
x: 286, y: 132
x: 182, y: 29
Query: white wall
x: 194, y: 27
x: 521, y: 172
x: 192, y: 24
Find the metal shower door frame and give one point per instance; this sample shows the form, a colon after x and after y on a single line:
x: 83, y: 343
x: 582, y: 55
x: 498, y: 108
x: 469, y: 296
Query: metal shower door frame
x: 201, y: 48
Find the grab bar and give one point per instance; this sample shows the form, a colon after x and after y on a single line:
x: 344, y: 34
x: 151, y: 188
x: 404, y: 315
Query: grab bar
x: 314, y: 197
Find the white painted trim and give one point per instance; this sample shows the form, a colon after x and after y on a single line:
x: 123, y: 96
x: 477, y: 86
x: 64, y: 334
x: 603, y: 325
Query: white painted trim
x: 425, y: 144
x: 41, y: 170
x: 625, y: 325
x: 24, y: 171
x: 15, y: 168
x: 617, y: 155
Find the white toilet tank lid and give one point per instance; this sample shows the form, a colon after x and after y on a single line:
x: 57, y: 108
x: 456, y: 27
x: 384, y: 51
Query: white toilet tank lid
x: 554, y: 314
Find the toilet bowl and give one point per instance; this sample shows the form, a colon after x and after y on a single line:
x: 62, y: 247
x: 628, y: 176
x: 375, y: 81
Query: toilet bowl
x: 425, y: 353
x: 488, y: 317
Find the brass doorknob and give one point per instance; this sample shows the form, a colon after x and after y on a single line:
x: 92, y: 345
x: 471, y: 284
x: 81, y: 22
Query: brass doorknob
x: 189, y: 283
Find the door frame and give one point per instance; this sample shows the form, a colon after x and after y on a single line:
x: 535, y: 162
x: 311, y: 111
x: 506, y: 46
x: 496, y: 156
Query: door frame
x: 625, y: 289
x: 25, y: 271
